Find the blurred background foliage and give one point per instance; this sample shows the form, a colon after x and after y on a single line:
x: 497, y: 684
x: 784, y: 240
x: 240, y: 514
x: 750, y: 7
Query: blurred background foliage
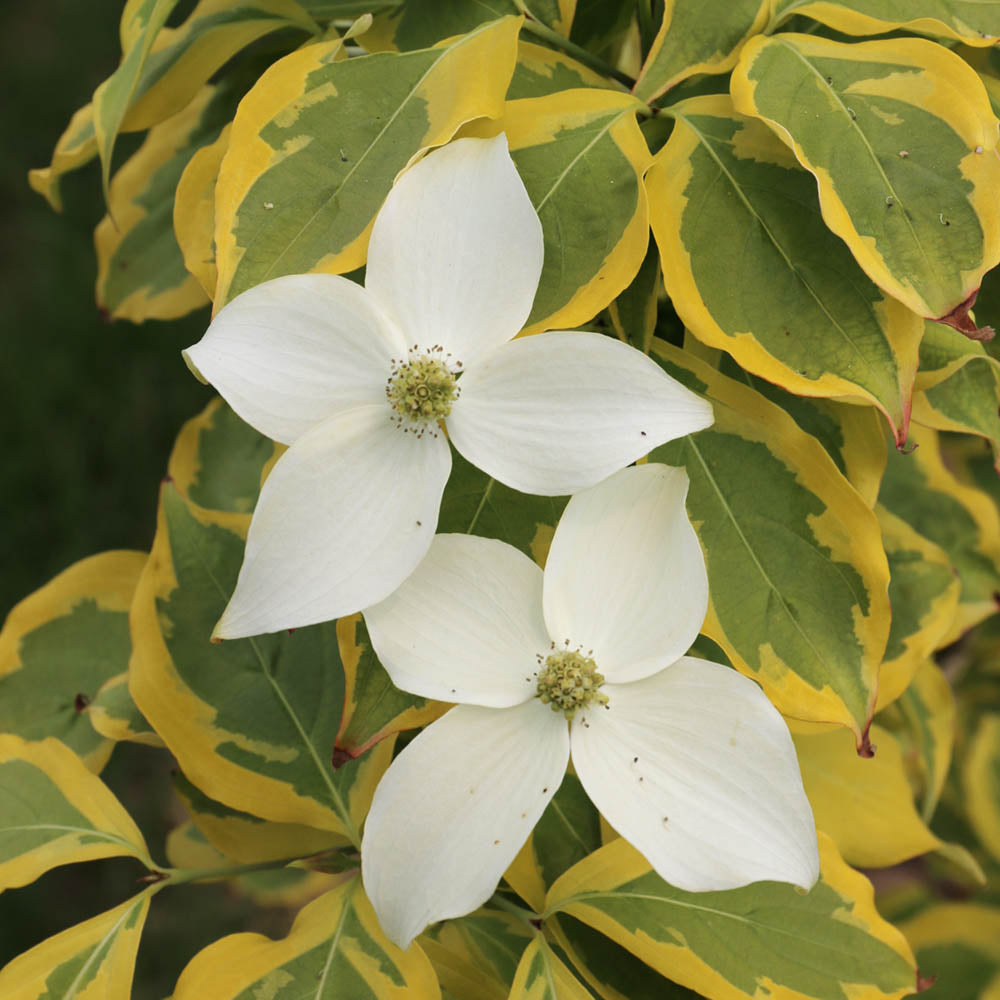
x: 90, y: 411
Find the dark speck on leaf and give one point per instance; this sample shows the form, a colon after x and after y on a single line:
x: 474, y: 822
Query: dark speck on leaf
x: 829, y: 80
x: 80, y: 702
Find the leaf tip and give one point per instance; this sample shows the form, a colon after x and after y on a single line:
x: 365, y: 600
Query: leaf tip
x: 866, y: 748
x: 925, y: 982
x: 960, y: 319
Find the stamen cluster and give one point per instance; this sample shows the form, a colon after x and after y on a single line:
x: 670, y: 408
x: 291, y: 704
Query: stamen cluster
x: 569, y: 681
x: 421, y: 390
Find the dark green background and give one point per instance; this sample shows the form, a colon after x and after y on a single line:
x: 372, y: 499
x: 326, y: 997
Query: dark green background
x: 90, y: 410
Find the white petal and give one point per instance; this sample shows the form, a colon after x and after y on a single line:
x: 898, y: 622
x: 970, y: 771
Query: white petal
x: 456, y: 251
x: 288, y: 353
x: 695, y: 768
x: 625, y: 576
x: 559, y: 412
x: 454, y: 808
x: 345, y: 516
x: 466, y: 625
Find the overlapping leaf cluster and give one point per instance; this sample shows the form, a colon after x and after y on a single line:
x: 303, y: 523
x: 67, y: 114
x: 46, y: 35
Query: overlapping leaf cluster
x: 791, y: 205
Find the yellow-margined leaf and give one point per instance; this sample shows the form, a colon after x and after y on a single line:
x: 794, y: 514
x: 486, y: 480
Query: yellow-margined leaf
x: 944, y: 352
x: 116, y: 716
x: 542, y: 976
x: 194, y: 211
x: 92, y: 959
x: 140, y: 269
x: 582, y: 157
x: 334, y: 950
x: 317, y: 144
x: 60, y: 644
x: 76, y: 146
x: 182, y: 59
x: 928, y: 705
x: 141, y: 22
x: 970, y: 22
x: 269, y: 751
x: 923, y: 593
x: 958, y: 944
x: 735, y: 945
x: 779, y: 292
x: 540, y: 71
x: 866, y: 806
x: 476, y: 957
x: 698, y: 37
x: 798, y: 576
x: 981, y: 782
x: 53, y: 811
x: 188, y: 848
x: 633, y: 313
x: 903, y: 143
x: 248, y: 839
x: 963, y: 521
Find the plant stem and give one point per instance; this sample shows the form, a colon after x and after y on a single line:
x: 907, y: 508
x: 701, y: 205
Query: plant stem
x: 588, y: 59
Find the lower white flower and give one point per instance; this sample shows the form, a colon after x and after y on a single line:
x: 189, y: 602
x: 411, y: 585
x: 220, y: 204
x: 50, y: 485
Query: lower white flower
x: 686, y: 759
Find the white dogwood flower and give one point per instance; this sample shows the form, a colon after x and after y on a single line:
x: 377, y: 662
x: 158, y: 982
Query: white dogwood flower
x: 685, y: 758
x: 358, y: 381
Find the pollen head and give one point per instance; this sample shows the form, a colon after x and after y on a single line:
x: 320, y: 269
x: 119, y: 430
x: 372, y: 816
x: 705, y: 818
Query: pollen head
x: 421, y: 391
x: 568, y: 681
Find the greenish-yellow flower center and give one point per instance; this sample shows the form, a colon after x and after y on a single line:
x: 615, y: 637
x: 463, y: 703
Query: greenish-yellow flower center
x: 569, y: 681
x: 421, y: 391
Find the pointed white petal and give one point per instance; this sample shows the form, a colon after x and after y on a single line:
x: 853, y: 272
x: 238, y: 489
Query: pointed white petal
x: 559, y: 412
x: 695, y: 768
x: 625, y: 576
x: 345, y: 516
x: 288, y: 353
x: 466, y: 625
x: 456, y: 251
x: 454, y: 808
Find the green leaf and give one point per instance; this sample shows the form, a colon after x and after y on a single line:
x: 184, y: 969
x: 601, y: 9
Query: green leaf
x: 92, y: 959
x: 252, y: 722
x: 944, y: 352
x: 901, y: 138
x: 971, y: 22
x: 419, y: 24
x: 60, y: 644
x: 334, y: 950
x: 374, y: 707
x: 963, y: 521
x: 796, y: 568
x: 140, y: 24
x: 475, y: 504
x: 780, y: 293
x: 542, y: 976
x: 140, y: 268
x: 765, y: 938
x: 53, y: 811
x: 581, y: 156
x: 698, y: 37
x: 923, y: 593
x: 318, y: 142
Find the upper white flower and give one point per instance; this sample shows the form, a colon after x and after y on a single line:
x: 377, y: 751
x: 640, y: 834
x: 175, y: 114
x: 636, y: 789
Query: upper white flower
x: 357, y: 379
x: 685, y: 758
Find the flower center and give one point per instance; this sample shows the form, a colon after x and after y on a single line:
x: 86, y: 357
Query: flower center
x: 421, y: 391
x: 569, y: 681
